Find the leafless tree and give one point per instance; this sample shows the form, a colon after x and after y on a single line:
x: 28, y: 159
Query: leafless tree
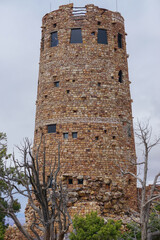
x: 144, y: 134
x: 46, y: 196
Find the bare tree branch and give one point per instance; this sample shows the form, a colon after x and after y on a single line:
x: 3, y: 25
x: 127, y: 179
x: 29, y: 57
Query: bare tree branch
x: 46, y: 195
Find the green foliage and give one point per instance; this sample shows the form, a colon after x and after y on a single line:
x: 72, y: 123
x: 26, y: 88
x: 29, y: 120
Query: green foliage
x: 93, y: 227
x: 3, y: 155
x: 3, y: 186
x: 133, y: 232
x: 16, y: 205
x: 154, y: 221
x: 2, y: 230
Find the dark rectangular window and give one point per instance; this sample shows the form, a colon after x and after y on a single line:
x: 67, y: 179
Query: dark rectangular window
x: 80, y: 181
x: 74, y: 134
x: 56, y: 84
x: 119, y: 40
x: 54, y: 39
x: 50, y: 182
x: 76, y: 35
x: 102, y: 36
x: 51, y: 128
x: 70, y: 181
x: 65, y: 135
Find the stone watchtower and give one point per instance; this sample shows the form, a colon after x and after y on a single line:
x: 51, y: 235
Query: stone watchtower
x: 84, y: 102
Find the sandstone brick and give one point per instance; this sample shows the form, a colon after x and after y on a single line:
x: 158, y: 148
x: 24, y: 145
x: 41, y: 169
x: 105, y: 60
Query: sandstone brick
x: 92, y: 101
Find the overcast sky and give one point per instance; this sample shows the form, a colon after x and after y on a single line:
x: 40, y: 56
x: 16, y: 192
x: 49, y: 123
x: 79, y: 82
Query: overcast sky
x: 20, y: 34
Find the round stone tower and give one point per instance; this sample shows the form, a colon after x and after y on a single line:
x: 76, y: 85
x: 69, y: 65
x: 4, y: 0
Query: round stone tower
x: 84, y: 102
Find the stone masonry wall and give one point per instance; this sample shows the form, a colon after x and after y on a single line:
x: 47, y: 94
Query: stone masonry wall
x: 89, y: 100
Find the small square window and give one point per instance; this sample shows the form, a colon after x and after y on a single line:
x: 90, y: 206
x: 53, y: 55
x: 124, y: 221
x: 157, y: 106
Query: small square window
x: 65, y: 135
x: 56, y: 84
x: 102, y: 36
x: 54, y: 39
x: 76, y: 35
x: 96, y: 138
x: 119, y: 40
x: 54, y: 25
x: 68, y: 91
x: 80, y: 181
x: 99, y: 23
x: 74, y: 134
x: 51, y: 128
x: 93, y: 33
x: 99, y: 84
x: 70, y: 181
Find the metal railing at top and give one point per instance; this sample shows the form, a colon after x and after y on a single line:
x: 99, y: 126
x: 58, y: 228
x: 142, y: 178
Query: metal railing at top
x: 79, y: 11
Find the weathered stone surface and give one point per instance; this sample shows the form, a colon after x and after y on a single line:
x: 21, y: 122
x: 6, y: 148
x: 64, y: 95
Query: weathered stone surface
x: 117, y: 195
x: 82, y: 193
x: 107, y: 180
x: 108, y: 205
x: 90, y: 100
x: 72, y: 194
x: 73, y: 200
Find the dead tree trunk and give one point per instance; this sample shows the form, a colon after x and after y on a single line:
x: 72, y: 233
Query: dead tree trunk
x: 144, y: 133
x: 48, y: 199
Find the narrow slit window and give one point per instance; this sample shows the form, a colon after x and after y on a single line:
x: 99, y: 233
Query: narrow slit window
x: 74, y: 134
x: 120, y: 76
x: 50, y: 181
x: 129, y: 181
x: 51, y: 128
x: 102, y: 36
x: 54, y: 39
x: 80, y: 181
x: 129, y: 131
x: 119, y: 40
x: 42, y: 44
x: 65, y: 135
x: 76, y: 35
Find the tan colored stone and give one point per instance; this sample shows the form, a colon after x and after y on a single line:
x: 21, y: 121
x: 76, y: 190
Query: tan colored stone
x: 108, y: 205
x: 91, y: 101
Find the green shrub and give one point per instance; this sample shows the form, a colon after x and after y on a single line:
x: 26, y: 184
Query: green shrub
x: 92, y: 227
